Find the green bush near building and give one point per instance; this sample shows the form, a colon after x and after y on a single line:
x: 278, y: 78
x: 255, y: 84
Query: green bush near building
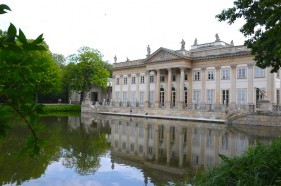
x: 62, y: 108
x: 259, y: 165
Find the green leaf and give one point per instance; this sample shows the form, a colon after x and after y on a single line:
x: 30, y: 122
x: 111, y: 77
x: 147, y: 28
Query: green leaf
x: 38, y: 40
x: 4, y: 7
x: 12, y: 31
x: 21, y: 37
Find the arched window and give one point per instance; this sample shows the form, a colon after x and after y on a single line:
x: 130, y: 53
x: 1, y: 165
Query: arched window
x: 173, y: 97
x: 162, y: 96
x: 185, y: 96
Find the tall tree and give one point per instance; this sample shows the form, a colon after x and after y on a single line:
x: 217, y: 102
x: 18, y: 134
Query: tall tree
x: 262, y: 29
x: 85, y: 70
x: 26, y: 67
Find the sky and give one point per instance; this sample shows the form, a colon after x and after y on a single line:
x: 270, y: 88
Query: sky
x: 121, y: 27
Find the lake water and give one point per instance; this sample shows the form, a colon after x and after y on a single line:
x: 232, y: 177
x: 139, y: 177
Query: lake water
x: 109, y: 150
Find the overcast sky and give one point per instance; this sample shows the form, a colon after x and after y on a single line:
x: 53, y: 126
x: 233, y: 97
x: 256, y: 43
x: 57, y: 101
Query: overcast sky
x: 121, y: 27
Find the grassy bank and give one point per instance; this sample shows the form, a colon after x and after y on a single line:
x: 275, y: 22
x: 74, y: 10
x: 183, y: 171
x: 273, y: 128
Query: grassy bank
x: 259, y: 165
x: 62, y: 108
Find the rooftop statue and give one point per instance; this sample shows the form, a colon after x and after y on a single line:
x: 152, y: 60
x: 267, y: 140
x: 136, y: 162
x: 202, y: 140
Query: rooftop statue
x: 217, y: 38
x: 195, y: 42
x: 148, y: 50
x: 182, y: 45
x: 115, y: 59
x: 231, y: 43
x: 128, y: 59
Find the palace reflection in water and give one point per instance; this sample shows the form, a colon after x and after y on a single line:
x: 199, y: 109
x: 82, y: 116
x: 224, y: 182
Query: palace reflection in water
x: 178, y: 143
x: 173, y: 143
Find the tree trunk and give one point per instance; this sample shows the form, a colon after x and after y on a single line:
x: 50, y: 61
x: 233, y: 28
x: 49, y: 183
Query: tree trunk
x: 82, y: 97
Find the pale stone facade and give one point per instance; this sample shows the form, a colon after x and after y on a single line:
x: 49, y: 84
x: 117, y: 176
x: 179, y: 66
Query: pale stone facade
x: 96, y: 94
x: 214, y: 75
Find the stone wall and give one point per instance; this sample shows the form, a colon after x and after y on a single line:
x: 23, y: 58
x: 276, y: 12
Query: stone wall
x: 157, y: 111
x: 257, y: 119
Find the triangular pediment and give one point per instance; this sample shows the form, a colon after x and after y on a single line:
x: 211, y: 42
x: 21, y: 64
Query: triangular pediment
x: 163, y: 54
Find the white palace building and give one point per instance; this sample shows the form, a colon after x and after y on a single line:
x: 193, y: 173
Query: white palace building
x: 210, y: 75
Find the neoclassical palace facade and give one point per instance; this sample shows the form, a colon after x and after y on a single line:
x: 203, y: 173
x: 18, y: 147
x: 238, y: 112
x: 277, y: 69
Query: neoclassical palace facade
x: 215, y: 74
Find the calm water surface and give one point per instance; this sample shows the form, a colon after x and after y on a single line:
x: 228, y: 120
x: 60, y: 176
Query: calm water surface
x: 109, y: 150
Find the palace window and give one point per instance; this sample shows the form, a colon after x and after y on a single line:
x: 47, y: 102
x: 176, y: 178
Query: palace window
x: 140, y: 149
x: 196, y: 96
x: 225, y: 74
x: 185, y: 96
x: 125, y: 80
x: 211, y: 74
x: 151, y: 97
x: 142, y: 79
x: 173, y: 96
x: 224, y: 142
x: 151, y: 79
x: 133, y: 80
x: 162, y: 78
x: 259, y: 72
x: 196, y: 76
x: 125, y: 98
x: 117, y: 95
x: 173, y: 78
x: 185, y: 77
x: 241, y: 73
x: 132, y: 147
x: 225, y: 97
x: 117, y: 81
x: 133, y: 98
x: 141, y: 98
x: 162, y: 96
x: 241, y: 96
x: 211, y: 96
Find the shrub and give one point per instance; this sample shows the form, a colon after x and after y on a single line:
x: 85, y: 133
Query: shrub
x: 62, y: 108
x: 259, y: 165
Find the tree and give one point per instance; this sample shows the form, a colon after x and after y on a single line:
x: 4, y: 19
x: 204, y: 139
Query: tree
x: 26, y: 67
x: 85, y: 70
x: 262, y: 29
x: 59, y: 58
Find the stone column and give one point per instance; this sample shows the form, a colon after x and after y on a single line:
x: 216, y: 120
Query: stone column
x: 137, y: 89
x: 169, y: 88
x: 218, y: 89
x: 168, y: 143
x: 271, y: 86
x: 146, y: 128
x: 136, y: 139
x: 112, y: 127
x: 189, y: 144
x: 190, y: 92
x: 129, y: 81
x: 181, y: 102
x: 157, y: 89
x: 121, y: 89
x: 156, y: 141
x: 113, y: 95
x: 203, y: 85
x: 127, y: 138
x: 217, y: 146
x: 119, y: 136
x: 233, y: 87
x: 202, y: 145
x: 250, y: 84
x: 147, y: 89
x: 180, y: 133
